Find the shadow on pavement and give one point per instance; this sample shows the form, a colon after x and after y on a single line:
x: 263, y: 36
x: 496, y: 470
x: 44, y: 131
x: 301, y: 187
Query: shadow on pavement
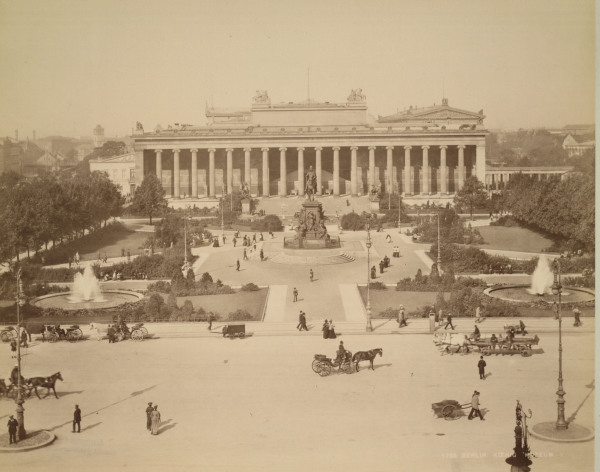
x: 592, y: 387
x: 167, y: 427
x: 91, y: 426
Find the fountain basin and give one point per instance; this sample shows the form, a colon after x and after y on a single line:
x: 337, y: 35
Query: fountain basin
x: 521, y: 294
x: 110, y: 299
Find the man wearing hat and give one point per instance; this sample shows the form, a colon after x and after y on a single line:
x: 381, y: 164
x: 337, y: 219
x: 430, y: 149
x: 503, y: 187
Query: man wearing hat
x: 14, y: 376
x: 77, y: 419
x: 12, y: 429
x: 149, y: 411
x: 475, y: 406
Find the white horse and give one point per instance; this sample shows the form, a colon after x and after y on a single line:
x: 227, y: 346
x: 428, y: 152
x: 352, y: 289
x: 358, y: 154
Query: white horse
x: 100, y: 329
x: 451, y: 339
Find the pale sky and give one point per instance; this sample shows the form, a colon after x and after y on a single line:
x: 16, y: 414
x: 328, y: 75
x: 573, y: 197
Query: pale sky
x: 67, y: 65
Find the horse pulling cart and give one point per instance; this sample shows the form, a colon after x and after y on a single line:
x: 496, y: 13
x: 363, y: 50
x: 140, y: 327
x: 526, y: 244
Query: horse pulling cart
x: 53, y: 333
x: 448, y: 409
x: 137, y: 332
x: 323, y: 365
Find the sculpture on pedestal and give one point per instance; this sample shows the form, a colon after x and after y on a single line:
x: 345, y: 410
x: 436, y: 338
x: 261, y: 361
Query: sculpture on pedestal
x: 310, y: 187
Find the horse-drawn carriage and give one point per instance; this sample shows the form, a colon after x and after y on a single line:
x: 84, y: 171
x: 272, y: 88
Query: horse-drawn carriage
x: 8, y: 333
x: 53, y: 333
x: 137, y: 332
x: 451, y: 343
x: 323, y: 365
x: 234, y: 331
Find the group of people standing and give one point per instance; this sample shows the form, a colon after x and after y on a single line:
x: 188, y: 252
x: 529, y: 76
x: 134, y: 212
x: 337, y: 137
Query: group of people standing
x: 152, y: 419
x: 329, y: 330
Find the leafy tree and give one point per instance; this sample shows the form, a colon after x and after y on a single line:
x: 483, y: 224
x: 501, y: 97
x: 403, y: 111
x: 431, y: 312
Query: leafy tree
x: 149, y: 198
x: 472, y: 195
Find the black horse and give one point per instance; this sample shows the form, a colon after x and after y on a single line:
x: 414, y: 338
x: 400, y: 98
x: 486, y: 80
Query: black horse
x: 366, y: 356
x: 45, y: 382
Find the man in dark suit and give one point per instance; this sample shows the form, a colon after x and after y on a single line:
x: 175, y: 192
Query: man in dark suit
x: 77, y: 419
x: 449, y: 321
x: 303, y: 321
x: 12, y: 429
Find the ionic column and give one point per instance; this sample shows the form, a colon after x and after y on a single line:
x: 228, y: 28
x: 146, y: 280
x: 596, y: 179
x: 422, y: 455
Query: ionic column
x: 371, y: 167
x: 318, y: 170
x: 159, y: 164
x: 425, y: 189
x: 301, y: 182
x: 443, y: 170
x: 461, y: 166
x: 336, y: 170
x: 229, y: 170
x: 194, y: 173
x: 176, y: 173
x: 480, y: 162
x: 282, y: 172
x: 353, y: 179
x: 211, y: 172
x: 388, y: 181
x: 407, y: 170
x: 247, y: 166
x: 265, y: 171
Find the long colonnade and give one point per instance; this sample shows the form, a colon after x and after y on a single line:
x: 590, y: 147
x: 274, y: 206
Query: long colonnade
x: 412, y: 169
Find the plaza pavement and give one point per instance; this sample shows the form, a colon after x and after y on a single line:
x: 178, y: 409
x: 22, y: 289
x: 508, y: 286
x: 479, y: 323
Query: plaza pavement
x: 256, y: 405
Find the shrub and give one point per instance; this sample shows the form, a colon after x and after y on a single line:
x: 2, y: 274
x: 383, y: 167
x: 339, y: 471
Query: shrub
x: 206, y: 278
x: 389, y: 313
x: 250, y: 287
x: 239, y: 315
x: 378, y: 286
x: 353, y: 221
x: 161, y: 286
x: 268, y: 223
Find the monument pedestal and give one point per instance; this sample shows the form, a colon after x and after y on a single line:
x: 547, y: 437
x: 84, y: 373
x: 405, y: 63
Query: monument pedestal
x: 311, y: 232
x: 246, y: 206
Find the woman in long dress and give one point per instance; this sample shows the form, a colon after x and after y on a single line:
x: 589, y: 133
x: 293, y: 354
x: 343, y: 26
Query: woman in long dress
x: 155, y: 417
x: 325, y: 330
x: 331, y: 334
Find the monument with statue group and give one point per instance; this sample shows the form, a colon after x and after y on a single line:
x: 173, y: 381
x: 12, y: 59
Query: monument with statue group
x: 311, y: 232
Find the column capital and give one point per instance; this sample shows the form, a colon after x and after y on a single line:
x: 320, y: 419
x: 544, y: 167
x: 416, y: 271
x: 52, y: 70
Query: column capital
x: 372, y: 148
x: 354, y: 148
x: 318, y: 148
x: 443, y: 146
x: 194, y: 150
x: 229, y: 149
x: 264, y: 149
x: 211, y: 150
x: 407, y: 148
x: 389, y: 148
x: 247, y: 149
x: 335, y: 148
x: 461, y: 146
x: 283, y: 149
x: 425, y: 148
x: 158, y: 151
x: 301, y: 149
x: 176, y: 151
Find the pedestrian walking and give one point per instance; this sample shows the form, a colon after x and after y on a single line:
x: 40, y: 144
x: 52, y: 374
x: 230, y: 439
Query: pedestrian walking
x: 262, y: 255
x: 325, y: 329
x: 299, y: 326
x: 149, y: 411
x: 245, y: 255
x: 77, y: 419
x: 13, y: 348
x: 295, y: 294
x: 481, y: 365
x: 381, y: 264
x: 449, y: 322
x: 303, y: 321
x: 311, y: 275
x: 155, y: 417
x: 237, y: 265
x: 12, y: 424
x: 234, y: 241
x: 577, y: 314
x: 210, y: 320
x: 475, y: 406
x: 401, y: 317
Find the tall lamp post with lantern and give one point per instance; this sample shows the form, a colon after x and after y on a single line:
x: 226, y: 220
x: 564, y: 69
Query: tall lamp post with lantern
x: 561, y: 423
x: 21, y: 433
x: 369, y: 244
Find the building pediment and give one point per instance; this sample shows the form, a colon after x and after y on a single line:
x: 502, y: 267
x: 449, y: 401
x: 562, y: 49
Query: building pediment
x: 438, y: 113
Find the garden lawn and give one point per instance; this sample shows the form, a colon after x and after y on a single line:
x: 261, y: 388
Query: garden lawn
x: 392, y: 298
x: 512, y: 239
x: 253, y: 302
x: 123, y: 238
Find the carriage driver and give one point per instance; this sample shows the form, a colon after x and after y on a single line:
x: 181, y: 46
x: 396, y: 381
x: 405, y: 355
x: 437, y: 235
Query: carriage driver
x: 341, y: 354
x: 14, y: 376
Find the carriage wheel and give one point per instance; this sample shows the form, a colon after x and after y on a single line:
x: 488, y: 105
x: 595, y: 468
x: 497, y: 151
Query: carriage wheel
x: 448, y: 412
x: 6, y: 336
x: 526, y: 352
x: 347, y: 367
x: 137, y: 335
x: 325, y: 370
x: 316, y: 366
x: 120, y: 336
x: 74, y: 335
x: 487, y: 351
x: 52, y: 337
x: 144, y: 331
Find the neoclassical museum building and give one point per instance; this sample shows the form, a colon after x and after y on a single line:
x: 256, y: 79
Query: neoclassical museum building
x: 419, y: 151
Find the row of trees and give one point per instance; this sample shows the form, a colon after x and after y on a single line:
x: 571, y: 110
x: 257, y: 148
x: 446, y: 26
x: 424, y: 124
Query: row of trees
x: 36, y: 212
x: 561, y: 208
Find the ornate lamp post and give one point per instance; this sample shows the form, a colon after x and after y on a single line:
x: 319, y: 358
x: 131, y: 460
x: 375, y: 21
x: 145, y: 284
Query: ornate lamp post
x: 557, y: 290
x: 369, y: 244
x: 20, y: 410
